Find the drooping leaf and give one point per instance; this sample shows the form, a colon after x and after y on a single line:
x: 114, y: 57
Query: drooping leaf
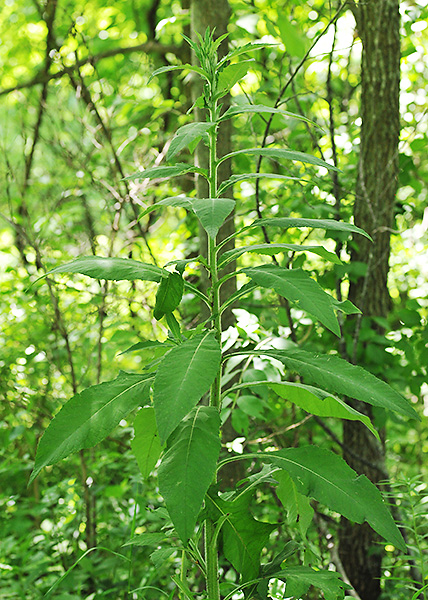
x: 180, y: 201
x: 319, y: 403
x: 90, y: 416
x: 327, y: 224
x: 165, y: 171
x: 115, y: 269
x: 231, y: 75
x: 188, y: 467
x: 281, y: 154
x: 334, y: 374
x: 169, y: 295
x: 261, y: 108
x: 212, y: 212
x: 271, y: 249
x: 174, y: 326
x: 250, y: 47
x: 299, y: 579
x: 147, y: 345
x: 297, y: 286
x: 243, y: 536
x: 186, y: 135
x: 298, y: 506
x: 326, y: 477
x: 183, y: 377
x: 245, y: 176
x: 146, y: 446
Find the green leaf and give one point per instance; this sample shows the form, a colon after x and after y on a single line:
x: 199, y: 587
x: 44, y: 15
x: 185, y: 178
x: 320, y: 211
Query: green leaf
x: 176, y: 201
x: 146, y: 446
x: 297, y: 286
x: 243, y: 537
x: 298, y: 507
x: 291, y: 37
x: 328, y: 224
x: 188, y: 467
x: 337, y: 375
x: 185, y: 67
x: 212, y: 212
x: 299, y: 579
x: 273, y: 248
x: 319, y: 403
x: 174, y: 326
x: 231, y: 75
x: 146, y: 539
x: 245, y: 176
x: 261, y: 108
x: 327, y: 478
x: 183, y: 377
x: 166, y: 171
x: 281, y: 154
x: 147, y: 345
x: 90, y: 416
x: 115, y: 269
x: 250, y: 47
x: 169, y: 295
x: 186, y: 135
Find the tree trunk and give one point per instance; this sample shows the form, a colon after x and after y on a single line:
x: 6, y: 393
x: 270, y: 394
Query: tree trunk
x: 378, y: 24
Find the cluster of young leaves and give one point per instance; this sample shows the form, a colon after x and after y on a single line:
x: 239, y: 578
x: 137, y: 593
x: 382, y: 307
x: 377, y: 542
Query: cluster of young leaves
x: 174, y: 424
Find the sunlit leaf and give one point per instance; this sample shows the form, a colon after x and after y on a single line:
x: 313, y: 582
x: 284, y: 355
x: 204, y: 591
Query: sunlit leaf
x: 281, y: 154
x: 146, y: 446
x: 272, y: 249
x: 327, y: 224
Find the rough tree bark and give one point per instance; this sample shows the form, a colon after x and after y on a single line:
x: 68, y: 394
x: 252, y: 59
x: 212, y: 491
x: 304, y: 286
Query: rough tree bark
x: 378, y: 24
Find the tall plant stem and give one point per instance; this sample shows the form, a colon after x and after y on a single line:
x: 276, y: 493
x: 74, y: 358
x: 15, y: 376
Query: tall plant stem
x: 211, y: 552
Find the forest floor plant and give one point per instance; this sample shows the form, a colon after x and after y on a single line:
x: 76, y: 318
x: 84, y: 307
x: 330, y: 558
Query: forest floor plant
x: 179, y: 396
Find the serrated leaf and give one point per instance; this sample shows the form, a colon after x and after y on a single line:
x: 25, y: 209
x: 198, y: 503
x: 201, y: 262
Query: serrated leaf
x: 90, y: 416
x: 245, y: 176
x: 271, y: 249
x: 327, y: 224
x: 169, y: 295
x: 183, y: 377
x: 175, y: 201
x: 188, y: 467
x: 281, y: 154
x: 243, y: 536
x: 261, y: 108
x: 212, y: 212
x: 161, y: 555
x: 320, y: 403
x: 114, y: 269
x: 297, y: 286
x: 231, y: 75
x: 327, y: 478
x: 146, y: 446
x: 299, y: 579
x: 334, y: 374
x: 165, y: 171
x: 186, y: 135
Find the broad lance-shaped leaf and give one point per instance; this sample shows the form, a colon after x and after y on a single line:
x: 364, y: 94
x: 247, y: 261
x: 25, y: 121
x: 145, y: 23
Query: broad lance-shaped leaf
x: 327, y: 478
x: 327, y: 224
x: 271, y: 249
x: 231, y: 75
x: 261, y: 108
x: 298, y: 506
x: 166, y: 171
x: 245, y: 176
x: 297, y: 286
x: 212, y: 212
x: 169, y: 295
x: 337, y: 375
x: 243, y: 536
x: 185, y: 67
x: 281, y: 154
x: 186, y: 135
x: 188, y: 467
x: 183, y: 377
x: 320, y: 403
x: 299, y: 579
x: 115, y: 269
x: 90, y: 416
x: 146, y: 446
